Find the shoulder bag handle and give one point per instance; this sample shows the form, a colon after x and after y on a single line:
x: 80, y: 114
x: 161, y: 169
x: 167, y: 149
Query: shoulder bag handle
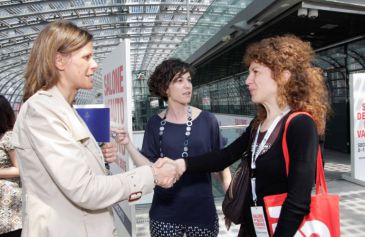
x: 320, y: 179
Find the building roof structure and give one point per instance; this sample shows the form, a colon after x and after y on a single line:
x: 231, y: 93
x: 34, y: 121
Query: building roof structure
x: 156, y: 28
x: 197, y: 31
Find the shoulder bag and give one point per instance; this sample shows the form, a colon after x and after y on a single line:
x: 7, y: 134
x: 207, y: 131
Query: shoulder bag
x: 236, y: 203
x: 324, y: 217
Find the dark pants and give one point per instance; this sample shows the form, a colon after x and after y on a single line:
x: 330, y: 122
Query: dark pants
x: 247, y: 229
x: 246, y: 232
x: 15, y: 233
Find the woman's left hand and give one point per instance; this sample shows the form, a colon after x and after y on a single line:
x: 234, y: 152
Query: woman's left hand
x: 109, y: 152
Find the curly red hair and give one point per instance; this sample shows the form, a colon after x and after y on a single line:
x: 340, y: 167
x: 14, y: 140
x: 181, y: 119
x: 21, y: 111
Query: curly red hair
x: 306, y: 90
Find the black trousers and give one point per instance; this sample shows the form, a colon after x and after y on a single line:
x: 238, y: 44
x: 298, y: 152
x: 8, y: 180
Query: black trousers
x: 247, y: 228
x: 15, y: 233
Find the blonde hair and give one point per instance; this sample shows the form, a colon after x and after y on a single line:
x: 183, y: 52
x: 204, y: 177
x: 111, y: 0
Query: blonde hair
x: 57, y: 37
x: 306, y: 90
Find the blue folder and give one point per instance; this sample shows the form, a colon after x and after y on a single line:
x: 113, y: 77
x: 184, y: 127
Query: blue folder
x: 98, y: 122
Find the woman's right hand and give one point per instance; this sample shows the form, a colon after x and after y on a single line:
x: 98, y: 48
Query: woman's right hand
x: 166, y: 174
x: 180, y: 164
x: 120, y: 135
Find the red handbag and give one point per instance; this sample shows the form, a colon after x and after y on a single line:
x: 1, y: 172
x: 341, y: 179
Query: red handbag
x: 324, y: 217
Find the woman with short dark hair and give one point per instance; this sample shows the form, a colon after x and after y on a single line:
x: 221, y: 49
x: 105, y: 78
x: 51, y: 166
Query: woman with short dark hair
x: 180, y: 130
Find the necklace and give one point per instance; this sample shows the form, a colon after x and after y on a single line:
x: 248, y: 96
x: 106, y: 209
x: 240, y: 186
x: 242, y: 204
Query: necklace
x: 189, y: 124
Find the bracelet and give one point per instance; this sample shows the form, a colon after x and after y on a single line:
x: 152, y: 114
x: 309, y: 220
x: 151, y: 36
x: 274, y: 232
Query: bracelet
x: 154, y: 174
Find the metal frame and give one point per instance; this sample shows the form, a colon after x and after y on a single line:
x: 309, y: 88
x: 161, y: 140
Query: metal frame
x: 155, y: 27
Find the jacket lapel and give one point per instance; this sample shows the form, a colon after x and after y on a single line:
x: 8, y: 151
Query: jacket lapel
x: 78, y: 128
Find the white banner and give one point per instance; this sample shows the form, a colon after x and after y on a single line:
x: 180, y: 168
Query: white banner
x: 357, y: 118
x: 117, y: 89
x: 233, y: 120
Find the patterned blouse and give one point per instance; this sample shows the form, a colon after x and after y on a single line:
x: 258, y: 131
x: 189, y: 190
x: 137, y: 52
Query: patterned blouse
x: 10, y: 191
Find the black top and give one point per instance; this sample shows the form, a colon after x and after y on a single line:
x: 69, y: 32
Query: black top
x: 271, y: 178
x: 190, y: 201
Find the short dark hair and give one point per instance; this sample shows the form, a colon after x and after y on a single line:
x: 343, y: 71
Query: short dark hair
x: 7, y: 116
x: 161, y: 78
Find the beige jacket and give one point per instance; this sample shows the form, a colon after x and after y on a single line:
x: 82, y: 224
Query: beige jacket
x: 65, y: 189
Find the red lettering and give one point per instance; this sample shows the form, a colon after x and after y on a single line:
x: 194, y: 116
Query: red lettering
x: 116, y: 106
x: 360, y: 116
x: 113, y: 81
x: 363, y: 106
x: 107, y: 78
x: 122, y: 164
x: 260, y: 224
x: 121, y: 149
x: 360, y: 133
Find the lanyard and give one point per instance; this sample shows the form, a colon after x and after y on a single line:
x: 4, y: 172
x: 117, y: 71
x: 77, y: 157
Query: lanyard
x: 256, y: 152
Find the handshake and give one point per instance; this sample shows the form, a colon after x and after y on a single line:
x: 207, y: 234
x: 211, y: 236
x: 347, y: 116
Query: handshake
x: 167, y: 172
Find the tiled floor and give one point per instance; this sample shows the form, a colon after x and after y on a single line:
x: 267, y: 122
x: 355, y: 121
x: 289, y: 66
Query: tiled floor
x: 352, y: 196
x: 352, y: 201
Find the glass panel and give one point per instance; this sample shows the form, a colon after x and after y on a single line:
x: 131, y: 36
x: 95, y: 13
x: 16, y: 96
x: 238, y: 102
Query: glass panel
x: 356, y: 59
x: 215, y: 18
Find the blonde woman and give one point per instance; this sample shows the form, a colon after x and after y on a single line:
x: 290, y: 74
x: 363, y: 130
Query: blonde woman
x: 66, y: 189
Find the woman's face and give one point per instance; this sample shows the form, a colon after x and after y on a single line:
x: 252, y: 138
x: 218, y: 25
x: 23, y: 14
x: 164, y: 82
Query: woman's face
x: 79, y: 68
x: 261, y: 84
x: 180, y: 89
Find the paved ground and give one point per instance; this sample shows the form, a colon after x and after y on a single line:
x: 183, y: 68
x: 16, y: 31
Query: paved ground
x: 352, y: 201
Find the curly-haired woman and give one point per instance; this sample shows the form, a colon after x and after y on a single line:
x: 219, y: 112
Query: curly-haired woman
x: 281, y: 80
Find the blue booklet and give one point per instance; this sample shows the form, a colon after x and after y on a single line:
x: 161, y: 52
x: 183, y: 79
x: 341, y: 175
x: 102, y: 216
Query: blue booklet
x: 97, y: 120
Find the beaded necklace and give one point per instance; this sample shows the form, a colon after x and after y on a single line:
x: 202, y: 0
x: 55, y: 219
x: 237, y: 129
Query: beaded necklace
x: 189, y: 124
